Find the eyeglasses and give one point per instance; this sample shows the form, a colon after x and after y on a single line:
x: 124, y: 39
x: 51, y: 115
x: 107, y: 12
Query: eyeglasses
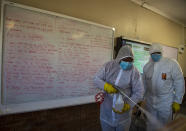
x: 156, y: 53
x: 127, y: 59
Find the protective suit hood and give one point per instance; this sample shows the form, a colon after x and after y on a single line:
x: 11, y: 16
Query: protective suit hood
x: 155, y: 47
x: 125, y: 51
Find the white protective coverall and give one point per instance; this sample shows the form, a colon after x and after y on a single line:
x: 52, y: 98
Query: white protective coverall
x: 164, y: 84
x: 131, y: 83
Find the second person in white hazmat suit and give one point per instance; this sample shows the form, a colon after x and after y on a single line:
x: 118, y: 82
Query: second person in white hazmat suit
x: 164, y: 86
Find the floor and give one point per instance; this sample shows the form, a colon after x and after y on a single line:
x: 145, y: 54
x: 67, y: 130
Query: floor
x: 138, y: 124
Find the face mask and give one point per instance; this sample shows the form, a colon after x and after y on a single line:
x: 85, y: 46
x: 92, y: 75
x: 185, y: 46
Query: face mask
x: 156, y: 57
x: 126, y: 65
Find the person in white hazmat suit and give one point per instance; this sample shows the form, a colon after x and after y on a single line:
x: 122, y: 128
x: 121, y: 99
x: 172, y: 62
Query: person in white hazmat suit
x: 122, y: 73
x: 164, y: 86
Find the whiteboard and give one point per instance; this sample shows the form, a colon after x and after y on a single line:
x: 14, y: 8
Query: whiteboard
x: 170, y: 52
x: 49, y: 59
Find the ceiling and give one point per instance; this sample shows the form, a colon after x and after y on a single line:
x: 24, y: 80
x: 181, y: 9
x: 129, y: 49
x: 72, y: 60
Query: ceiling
x: 172, y: 9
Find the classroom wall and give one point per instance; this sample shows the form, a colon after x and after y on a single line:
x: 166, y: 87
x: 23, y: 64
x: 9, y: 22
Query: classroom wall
x: 184, y: 52
x: 129, y: 20
x: 75, y: 118
x: 185, y: 35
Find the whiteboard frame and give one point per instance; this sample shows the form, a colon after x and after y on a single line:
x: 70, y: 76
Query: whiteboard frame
x: 41, y: 105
